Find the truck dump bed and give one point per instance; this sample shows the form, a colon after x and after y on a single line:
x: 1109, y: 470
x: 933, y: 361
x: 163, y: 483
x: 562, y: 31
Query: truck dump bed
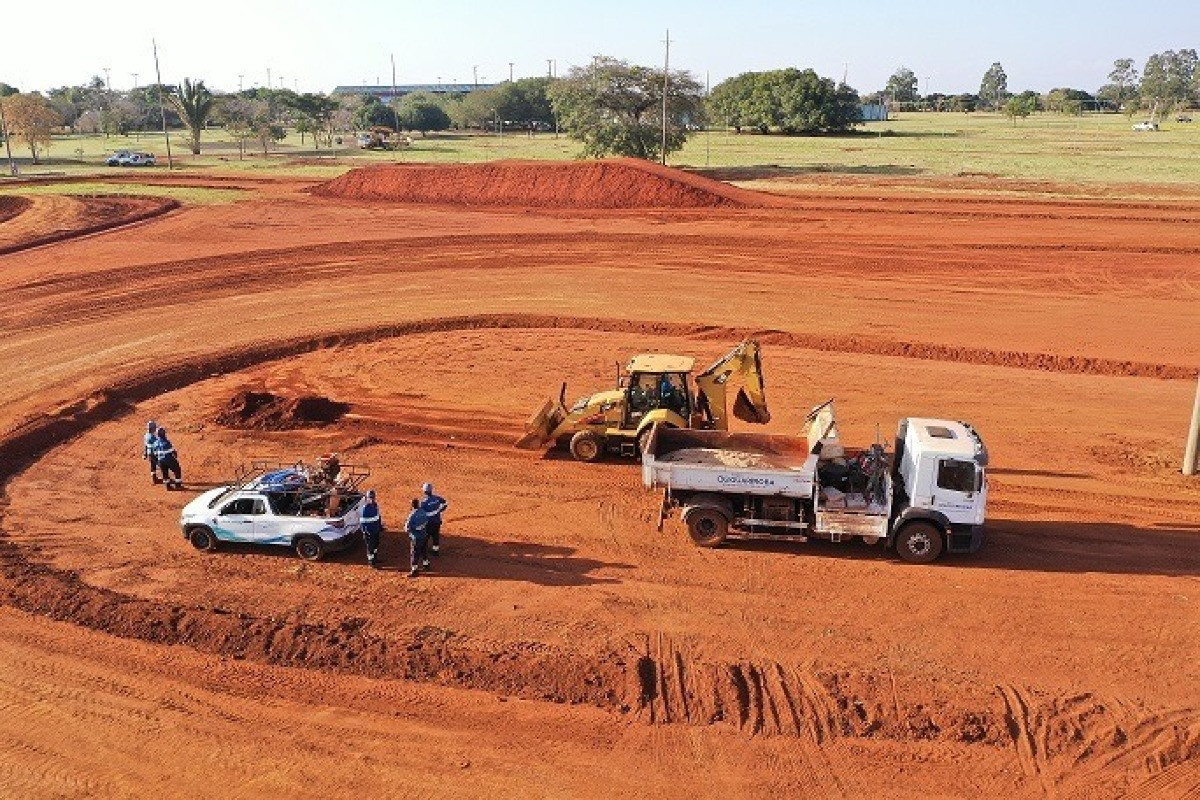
x: 721, y: 461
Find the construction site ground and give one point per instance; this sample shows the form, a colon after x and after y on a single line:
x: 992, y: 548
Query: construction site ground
x: 562, y: 647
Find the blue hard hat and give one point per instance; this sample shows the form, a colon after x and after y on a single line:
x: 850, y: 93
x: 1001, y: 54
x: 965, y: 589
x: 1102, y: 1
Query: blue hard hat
x: 427, y: 488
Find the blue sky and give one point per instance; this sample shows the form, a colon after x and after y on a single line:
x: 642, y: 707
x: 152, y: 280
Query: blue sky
x: 315, y: 46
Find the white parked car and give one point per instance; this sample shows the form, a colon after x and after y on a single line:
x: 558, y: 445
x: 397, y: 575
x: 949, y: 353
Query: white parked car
x: 296, y: 506
x: 1146, y: 126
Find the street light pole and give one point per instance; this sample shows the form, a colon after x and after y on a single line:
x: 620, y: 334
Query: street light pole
x: 666, y: 86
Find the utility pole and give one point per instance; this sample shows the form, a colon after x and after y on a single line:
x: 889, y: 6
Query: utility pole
x: 162, y: 109
x: 510, y: 66
x: 475, y: 72
x: 240, y: 76
x: 134, y: 74
x: 1191, y: 452
x: 549, y: 71
x: 666, y: 86
x: 707, y: 126
x: 107, y: 100
x: 269, y: 84
x: 395, y: 113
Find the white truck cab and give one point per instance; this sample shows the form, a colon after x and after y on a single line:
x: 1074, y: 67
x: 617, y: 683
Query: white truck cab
x: 939, y: 469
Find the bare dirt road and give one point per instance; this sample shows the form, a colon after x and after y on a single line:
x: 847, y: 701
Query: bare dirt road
x: 562, y: 647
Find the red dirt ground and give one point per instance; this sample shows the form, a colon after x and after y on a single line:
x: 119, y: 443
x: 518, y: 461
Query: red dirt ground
x: 562, y: 647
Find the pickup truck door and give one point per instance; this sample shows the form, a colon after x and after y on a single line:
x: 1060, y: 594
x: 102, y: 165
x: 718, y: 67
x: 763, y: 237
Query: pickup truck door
x: 237, y: 520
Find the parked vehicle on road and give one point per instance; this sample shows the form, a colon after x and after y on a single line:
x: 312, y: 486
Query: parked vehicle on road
x: 1146, y: 126
x: 128, y: 158
x: 295, y: 506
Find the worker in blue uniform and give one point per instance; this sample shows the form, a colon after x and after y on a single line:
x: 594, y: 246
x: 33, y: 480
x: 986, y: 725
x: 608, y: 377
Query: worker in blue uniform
x: 150, y: 449
x: 372, y: 525
x: 168, y: 460
x: 433, y: 505
x: 418, y: 537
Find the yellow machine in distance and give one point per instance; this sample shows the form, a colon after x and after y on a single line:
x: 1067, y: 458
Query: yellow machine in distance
x: 655, y: 388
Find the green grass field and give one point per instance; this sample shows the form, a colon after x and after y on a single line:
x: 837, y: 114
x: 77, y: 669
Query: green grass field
x: 1100, y: 149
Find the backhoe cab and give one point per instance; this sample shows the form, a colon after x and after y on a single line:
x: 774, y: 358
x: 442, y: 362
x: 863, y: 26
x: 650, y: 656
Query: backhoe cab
x: 654, y: 388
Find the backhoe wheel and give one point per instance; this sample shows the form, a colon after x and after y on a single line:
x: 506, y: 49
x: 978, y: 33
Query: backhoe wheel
x: 202, y: 539
x: 919, y: 543
x: 310, y: 548
x: 587, y: 446
x: 707, y: 527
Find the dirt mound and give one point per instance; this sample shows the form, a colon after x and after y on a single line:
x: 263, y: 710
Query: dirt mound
x: 11, y: 206
x: 54, y: 218
x: 609, y: 183
x: 265, y: 411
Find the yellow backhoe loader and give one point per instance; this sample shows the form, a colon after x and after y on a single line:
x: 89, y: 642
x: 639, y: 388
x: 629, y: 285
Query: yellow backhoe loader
x: 654, y: 388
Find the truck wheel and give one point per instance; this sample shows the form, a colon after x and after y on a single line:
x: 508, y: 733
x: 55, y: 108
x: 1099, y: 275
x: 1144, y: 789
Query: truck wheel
x: 919, y: 543
x: 587, y: 446
x: 202, y: 539
x: 310, y: 548
x: 707, y: 527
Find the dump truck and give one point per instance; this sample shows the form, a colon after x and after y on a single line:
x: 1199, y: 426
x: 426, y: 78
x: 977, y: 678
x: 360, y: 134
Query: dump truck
x: 655, y: 389
x: 927, y: 497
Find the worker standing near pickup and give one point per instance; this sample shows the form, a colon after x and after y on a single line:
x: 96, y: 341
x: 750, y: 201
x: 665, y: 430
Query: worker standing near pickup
x: 150, y: 449
x: 168, y: 460
x: 418, y: 537
x: 433, y: 505
x: 372, y: 526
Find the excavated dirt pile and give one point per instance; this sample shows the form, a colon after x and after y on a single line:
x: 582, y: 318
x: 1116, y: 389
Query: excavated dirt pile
x: 265, y: 411
x: 608, y: 183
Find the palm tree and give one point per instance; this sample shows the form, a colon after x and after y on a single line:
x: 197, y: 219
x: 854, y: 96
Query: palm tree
x: 194, y: 102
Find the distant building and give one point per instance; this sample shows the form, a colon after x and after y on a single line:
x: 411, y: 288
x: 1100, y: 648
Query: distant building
x: 874, y: 112
x: 400, y: 90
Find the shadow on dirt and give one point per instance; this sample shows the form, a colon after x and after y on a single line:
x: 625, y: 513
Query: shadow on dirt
x: 461, y: 557
x: 734, y: 174
x: 1066, y: 547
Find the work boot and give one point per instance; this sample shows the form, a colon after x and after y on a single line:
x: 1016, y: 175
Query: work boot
x: 425, y: 564
x: 414, y: 572
x: 435, y: 549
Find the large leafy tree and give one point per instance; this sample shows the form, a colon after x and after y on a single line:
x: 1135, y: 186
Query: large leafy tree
x: 195, y: 103
x: 1122, y: 87
x: 30, y: 118
x: 615, y: 108
x: 420, y: 112
x: 1169, y: 79
x: 902, y: 86
x: 788, y: 100
x: 993, y: 89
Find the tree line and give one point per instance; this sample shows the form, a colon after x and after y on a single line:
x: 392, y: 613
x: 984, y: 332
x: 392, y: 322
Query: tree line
x: 611, y: 106
x: 1167, y: 80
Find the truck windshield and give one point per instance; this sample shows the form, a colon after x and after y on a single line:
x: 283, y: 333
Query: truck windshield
x: 956, y: 475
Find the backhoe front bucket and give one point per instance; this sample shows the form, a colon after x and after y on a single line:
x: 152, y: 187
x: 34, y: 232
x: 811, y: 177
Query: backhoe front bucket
x: 539, y: 426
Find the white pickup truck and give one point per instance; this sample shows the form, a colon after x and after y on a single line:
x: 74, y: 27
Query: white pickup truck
x: 929, y: 497
x: 292, y: 506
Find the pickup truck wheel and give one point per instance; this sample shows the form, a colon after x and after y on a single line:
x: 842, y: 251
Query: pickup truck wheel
x: 202, y: 539
x: 919, y: 543
x: 310, y: 548
x: 587, y: 446
x: 707, y: 527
